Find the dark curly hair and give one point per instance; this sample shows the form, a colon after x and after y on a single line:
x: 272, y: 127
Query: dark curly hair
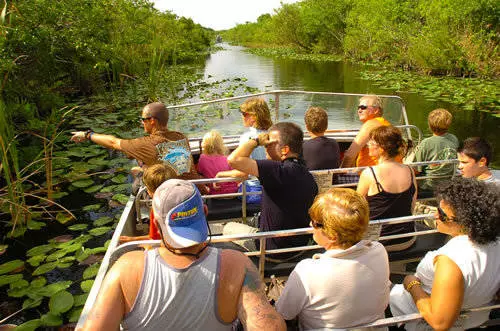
x: 476, y: 205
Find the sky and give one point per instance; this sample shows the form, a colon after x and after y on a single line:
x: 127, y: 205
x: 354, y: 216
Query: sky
x: 220, y: 14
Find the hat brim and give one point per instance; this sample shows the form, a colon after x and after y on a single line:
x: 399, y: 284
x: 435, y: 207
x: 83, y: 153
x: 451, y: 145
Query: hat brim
x: 182, y: 237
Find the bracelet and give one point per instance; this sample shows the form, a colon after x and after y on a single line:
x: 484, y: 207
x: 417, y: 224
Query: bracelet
x: 256, y: 139
x: 88, y: 134
x: 412, y: 284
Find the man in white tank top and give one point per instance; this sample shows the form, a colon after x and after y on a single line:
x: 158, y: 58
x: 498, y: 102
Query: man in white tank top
x: 184, y: 284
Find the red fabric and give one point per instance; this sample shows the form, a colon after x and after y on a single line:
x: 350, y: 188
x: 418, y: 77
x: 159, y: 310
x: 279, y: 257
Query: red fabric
x: 153, y: 229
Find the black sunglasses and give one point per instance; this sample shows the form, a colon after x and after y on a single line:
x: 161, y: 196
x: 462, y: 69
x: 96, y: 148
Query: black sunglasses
x: 316, y: 225
x: 363, y: 107
x: 442, y: 215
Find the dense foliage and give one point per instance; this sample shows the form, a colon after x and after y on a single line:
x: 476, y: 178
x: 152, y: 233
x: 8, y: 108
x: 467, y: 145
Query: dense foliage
x: 458, y: 37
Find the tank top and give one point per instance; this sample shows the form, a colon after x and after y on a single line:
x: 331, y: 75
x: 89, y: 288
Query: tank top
x: 177, y: 299
x: 388, y: 205
x: 364, y: 159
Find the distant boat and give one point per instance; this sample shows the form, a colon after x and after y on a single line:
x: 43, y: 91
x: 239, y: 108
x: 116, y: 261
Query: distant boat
x: 218, y: 39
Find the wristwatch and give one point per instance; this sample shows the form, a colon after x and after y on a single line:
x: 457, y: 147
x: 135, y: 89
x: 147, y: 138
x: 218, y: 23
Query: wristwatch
x: 88, y: 134
x: 256, y: 139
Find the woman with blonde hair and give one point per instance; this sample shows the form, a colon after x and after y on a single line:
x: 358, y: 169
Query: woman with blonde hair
x: 212, y: 160
x: 348, y: 285
x: 389, y: 187
x: 257, y: 118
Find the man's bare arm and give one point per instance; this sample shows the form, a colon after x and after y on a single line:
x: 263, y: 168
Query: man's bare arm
x: 104, y: 140
x: 254, y: 311
x: 240, y: 159
x: 358, y: 143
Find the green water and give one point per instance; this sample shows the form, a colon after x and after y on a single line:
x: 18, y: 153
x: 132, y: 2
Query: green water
x: 273, y: 74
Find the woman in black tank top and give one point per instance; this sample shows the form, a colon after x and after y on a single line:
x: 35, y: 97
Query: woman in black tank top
x: 389, y: 187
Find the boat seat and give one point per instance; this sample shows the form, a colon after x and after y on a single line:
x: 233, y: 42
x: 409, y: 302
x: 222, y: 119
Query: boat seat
x: 220, y: 209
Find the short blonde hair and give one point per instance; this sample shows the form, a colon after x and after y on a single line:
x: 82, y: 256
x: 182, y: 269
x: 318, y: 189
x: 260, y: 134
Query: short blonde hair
x: 343, y: 212
x: 439, y: 120
x: 258, y: 107
x: 156, y: 174
x: 213, y: 144
x: 316, y: 119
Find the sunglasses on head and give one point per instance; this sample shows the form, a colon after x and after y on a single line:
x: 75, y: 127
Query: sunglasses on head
x: 442, y: 215
x: 316, y: 225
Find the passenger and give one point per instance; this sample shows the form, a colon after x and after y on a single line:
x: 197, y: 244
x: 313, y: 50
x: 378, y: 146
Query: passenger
x: 348, y: 285
x: 463, y: 273
x: 257, y: 118
x: 154, y: 176
x: 319, y: 152
x: 390, y: 187
x: 162, y: 145
x: 474, y: 156
x: 288, y: 187
x: 370, y: 113
x: 441, y: 146
x: 213, y: 160
x: 184, y: 284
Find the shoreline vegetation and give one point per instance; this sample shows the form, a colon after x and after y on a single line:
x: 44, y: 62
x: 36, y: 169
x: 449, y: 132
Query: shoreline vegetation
x: 446, y: 50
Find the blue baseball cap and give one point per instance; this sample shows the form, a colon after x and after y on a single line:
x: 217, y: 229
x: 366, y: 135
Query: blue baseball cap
x: 178, y: 210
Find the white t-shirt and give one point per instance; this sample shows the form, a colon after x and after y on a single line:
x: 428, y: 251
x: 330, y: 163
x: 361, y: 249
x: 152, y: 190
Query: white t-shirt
x: 338, y: 289
x: 259, y: 153
x: 480, y: 267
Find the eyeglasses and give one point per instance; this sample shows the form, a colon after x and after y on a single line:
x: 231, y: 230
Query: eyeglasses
x: 316, y: 225
x: 442, y: 215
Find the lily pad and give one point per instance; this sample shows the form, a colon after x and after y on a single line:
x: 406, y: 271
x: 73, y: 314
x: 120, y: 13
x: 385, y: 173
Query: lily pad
x: 82, y: 183
x: 102, y: 221
x: 63, y: 218
x: 51, y: 289
x: 99, y: 231
x: 8, y: 279
x: 51, y: 319
x: 86, y: 285
x: 80, y: 299
x: 19, y: 284
x: 18, y: 292
x: 61, y: 302
x: 38, y: 282
x: 59, y: 195
x: 3, y: 248
x: 78, y: 227
x: 108, y: 189
x: 63, y: 265
x: 91, y: 271
x: 56, y: 256
x: 11, y: 266
x: 39, y: 250
x: 74, y: 315
x: 34, y: 225
x: 93, y: 188
x: 32, y: 302
x: 121, y: 198
x: 122, y: 188
x: 94, y: 207
x: 119, y: 179
x: 30, y: 325
x: 44, y: 268
x: 36, y: 260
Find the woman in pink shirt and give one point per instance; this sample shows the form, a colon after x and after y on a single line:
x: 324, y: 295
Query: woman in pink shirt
x: 212, y: 160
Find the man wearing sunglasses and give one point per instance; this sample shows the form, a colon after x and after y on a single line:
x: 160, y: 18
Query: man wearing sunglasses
x: 159, y: 145
x: 370, y: 113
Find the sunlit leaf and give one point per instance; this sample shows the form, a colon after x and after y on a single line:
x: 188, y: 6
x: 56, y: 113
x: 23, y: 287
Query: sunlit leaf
x: 95, y: 207
x: 11, y: 266
x: 119, y: 179
x: 44, y: 268
x: 99, y: 231
x: 121, y: 198
x: 19, y: 284
x: 36, y: 260
x: 74, y: 315
x: 78, y: 227
x: 51, y: 319
x: 32, y: 302
x: 34, y: 225
x: 39, y: 250
x: 7, y: 279
x: 91, y: 271
x: 61, y: 302
x: 83, y: 183
x: 86, y: 285
x: 93, y: 189
x: 53, y: 288
x: 56, y: 256
x: 80, y: 299
x: 102, y: 221
x: 29, y: 326
x: 38, y: 282
x: 63, y: 218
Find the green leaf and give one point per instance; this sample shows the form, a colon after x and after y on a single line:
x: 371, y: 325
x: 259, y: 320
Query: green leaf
x: 102, y: 221
x: 38, y: 282
x: 74, y: 314
x: 39, y: 250
x: 61, y: 302
x: 63, y: 218
x: 80, y: 299
x: 51, y: 319
x: 93, y: 189
x: 29, y: 326
x: 95, y: 207
x: 121, y: 198
x: 91, y: 271
x: 34, y: 225
x: 59, y: 195
x: 36, y: 260
x: 18, y: 292
x: 32, y: 302
x: 62, y: 265
x: 44, y: 268
x: 108, y: 189
x: 19, y: 284
x: 8, y: 279
x: 83, y: 183
x: 121, y: 178
x: 11, y: 266
x: 99, y: 231
x: 56, y: 256
x: 3, y: 248
x: 86, y: 285
x: 51, y: 289
x: 78, y: 227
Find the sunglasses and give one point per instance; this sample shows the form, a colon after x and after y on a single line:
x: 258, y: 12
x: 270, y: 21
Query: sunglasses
x: 143, y: 119
x: 363, y: 107
x: 442, y: 215
x: 316, y: 225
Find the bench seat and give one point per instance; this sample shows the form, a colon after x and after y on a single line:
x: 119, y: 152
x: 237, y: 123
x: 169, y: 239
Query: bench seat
x: 223, y: 209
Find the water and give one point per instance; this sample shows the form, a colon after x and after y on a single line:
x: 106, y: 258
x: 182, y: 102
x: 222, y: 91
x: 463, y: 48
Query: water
x: 273, y: 74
